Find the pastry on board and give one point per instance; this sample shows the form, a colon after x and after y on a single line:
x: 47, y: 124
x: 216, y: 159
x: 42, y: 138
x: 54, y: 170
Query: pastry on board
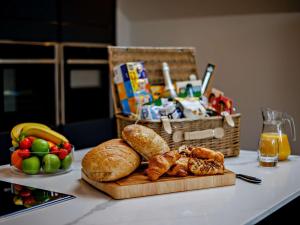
x: 202, y: 167
x: 190, y: 160
x: 180, y: 168
x: 160, y: 164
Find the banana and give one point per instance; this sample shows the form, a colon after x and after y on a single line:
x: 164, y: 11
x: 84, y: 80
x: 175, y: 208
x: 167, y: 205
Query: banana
x: 46, y: 134
x: 14, y: 143
x: 16, y: 131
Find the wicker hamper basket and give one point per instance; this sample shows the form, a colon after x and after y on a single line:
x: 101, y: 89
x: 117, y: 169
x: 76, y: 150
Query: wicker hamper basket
x: 182, y: 63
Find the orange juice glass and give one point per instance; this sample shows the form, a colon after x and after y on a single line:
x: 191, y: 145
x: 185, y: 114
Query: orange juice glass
x: 268, y: 151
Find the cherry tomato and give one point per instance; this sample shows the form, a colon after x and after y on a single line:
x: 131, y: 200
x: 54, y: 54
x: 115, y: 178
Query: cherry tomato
x: 63, y: 153
x: 54, y: 150
x: 31, y: 138
x: 25, y: 143
x: 67, y: 146
x: 24, y: 153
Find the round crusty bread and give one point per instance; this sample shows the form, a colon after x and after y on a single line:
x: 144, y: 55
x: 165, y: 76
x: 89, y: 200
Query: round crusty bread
x: 110, y: 161
x: 144, y: 140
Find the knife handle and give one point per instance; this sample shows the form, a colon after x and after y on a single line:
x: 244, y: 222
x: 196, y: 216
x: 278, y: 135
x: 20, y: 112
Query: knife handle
x: 250, y: 179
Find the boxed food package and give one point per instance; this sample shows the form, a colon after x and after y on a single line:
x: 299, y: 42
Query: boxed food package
x: 133, y: 87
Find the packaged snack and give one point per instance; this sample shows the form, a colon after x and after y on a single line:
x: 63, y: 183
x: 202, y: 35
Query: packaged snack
x: 150, y: 112
x: 157, y: 91
x: 192, y: 108
x: 182, y: 87
x: 169, y: 109
x: 222, y: 104
x: 132, y: 86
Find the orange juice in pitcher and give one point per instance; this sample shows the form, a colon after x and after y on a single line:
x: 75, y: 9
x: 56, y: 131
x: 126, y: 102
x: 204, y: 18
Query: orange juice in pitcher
x: 274, y: 127
x: 283, y: 144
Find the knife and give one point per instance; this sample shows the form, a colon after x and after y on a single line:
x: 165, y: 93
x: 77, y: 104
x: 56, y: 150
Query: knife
x: 250, y: 179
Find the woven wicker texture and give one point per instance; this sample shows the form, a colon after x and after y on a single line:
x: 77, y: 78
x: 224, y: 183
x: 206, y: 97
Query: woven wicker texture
x: 182, y: 64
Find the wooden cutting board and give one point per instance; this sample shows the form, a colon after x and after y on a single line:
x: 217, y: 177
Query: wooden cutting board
x: 138, y: 185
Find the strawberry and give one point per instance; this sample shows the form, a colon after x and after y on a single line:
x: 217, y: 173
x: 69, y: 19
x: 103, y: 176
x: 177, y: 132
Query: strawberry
x: 24, y: 153
x: 68, y: 146
x: 63, y: 153
x: 54, y: 150
x: 25, y: 143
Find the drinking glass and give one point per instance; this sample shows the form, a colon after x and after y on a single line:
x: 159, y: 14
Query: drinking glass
x: 268, y: 151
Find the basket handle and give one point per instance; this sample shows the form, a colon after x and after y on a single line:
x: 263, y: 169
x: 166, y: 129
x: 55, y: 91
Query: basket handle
x: 197, y: 135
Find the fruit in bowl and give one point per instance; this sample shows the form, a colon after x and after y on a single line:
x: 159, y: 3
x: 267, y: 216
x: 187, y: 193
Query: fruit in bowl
x: 39, y: 150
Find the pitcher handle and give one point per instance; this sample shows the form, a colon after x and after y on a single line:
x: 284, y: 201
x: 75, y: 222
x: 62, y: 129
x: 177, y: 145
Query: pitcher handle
x: 290, y: 119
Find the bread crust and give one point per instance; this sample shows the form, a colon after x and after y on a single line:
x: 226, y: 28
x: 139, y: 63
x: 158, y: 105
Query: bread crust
x: 145, y: 141
x: 110, y: 161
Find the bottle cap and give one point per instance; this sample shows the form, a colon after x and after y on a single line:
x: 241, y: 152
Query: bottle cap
x: 165, y: 66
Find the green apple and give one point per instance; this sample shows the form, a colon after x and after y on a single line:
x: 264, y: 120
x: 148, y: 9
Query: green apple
x: 51, y: 163
x: 40, y: 147
x: 31, y: 165
x: 66, y: 162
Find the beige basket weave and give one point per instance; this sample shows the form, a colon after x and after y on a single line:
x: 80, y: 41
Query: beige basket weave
x: 182, y: 64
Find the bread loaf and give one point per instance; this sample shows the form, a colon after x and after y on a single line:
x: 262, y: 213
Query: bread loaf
x: 144, y: 140
x: 110, y: 161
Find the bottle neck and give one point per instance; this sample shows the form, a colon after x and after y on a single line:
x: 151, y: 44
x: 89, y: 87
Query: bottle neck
x: 168, y: 83
x: 167, y: 78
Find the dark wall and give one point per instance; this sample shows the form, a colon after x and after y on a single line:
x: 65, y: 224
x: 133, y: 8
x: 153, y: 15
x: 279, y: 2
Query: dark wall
x: 91, y: 20
x: 30, y: 20
x: 54, y: 20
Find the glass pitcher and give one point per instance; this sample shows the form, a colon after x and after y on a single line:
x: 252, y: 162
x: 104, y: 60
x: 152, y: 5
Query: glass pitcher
x: 274, y: 126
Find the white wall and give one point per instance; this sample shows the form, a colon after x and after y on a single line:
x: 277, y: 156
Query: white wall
x: 257, y: 55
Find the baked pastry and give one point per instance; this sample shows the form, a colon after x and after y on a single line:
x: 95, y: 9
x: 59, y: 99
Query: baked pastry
x: 110, y: 161
x: 205, y: 153
x: 145, y: 141
x: 180, y: 168
x: 185, y: 150
x: 160, y: 164
x: 201, y: 167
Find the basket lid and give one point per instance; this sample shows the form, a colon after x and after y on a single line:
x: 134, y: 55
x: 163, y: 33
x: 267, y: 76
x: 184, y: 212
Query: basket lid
x: 181, y: 61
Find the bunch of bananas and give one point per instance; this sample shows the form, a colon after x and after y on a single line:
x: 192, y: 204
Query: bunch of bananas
x: 36, y: 130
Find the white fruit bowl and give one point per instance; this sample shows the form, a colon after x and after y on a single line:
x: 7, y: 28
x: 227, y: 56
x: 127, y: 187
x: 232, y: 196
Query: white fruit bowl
x: 40, y: 163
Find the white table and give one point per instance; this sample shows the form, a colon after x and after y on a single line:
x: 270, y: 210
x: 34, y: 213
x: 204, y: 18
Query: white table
x: 244, y: 203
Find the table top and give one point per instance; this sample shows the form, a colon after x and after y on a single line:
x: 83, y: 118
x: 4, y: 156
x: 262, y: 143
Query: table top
x: 243, y: 203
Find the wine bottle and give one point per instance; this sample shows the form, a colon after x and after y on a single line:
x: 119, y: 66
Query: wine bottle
x: 207, y: 78
x: 169, y: 88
